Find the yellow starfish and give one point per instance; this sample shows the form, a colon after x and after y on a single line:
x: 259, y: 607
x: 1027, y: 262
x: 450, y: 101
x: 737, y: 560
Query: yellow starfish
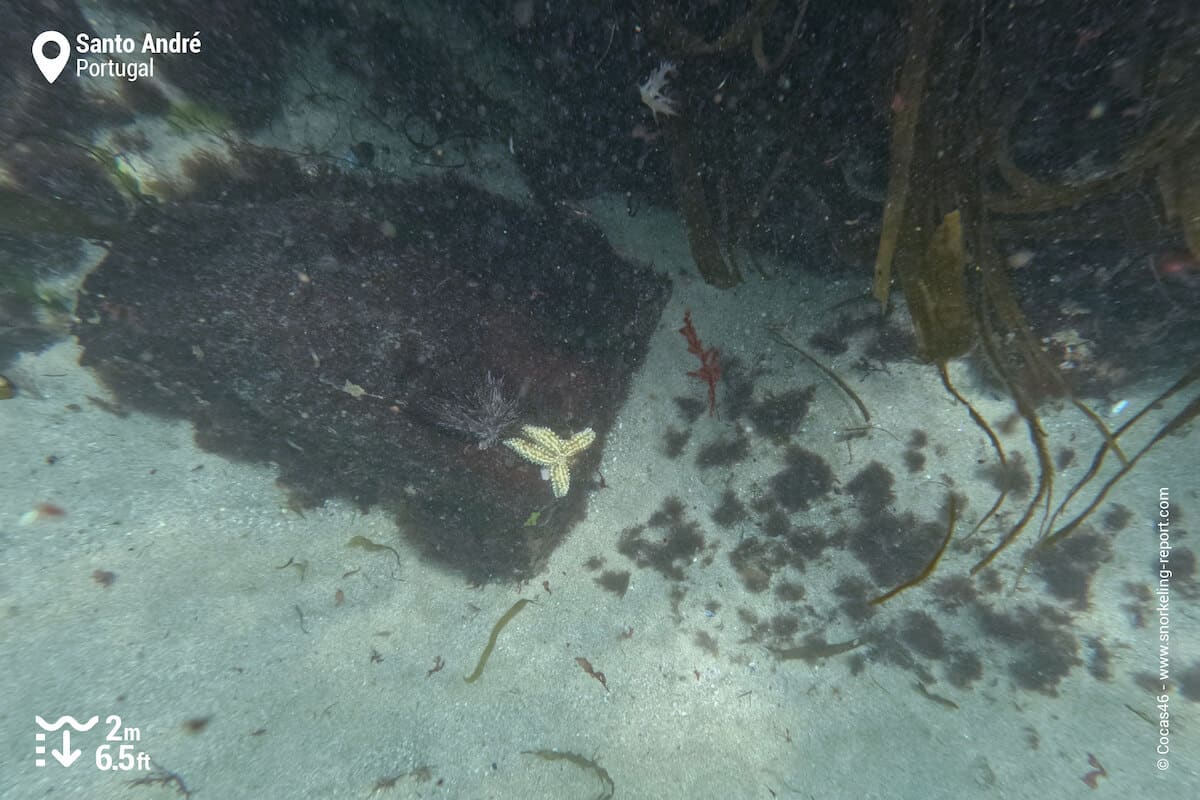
x: 542, y: 446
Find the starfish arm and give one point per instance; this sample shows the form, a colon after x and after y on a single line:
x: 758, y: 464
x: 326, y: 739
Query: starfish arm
x: 533, y: 452
x: 543, y: 437
x: 579, y: 442
x: 560, y: 479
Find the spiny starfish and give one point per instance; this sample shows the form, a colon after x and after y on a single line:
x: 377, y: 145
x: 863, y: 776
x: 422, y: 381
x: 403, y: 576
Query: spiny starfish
x: 543, y: 447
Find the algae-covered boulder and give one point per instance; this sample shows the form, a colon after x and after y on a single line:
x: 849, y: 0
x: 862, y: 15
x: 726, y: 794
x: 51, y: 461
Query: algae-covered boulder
x: 379, y: 342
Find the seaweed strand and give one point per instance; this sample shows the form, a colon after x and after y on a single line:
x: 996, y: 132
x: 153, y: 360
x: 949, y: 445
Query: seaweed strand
x: 913, y: 75
x: 1098, y: 460
x: 582, y: 763
x: 1037, y: 435
x: 978, y: 419
x: 845, y: 387
x: 952, y: 513
x: 1190, y: 412
x: 499, y: 626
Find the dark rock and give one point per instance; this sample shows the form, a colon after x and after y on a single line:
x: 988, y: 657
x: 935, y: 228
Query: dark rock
x: 314, y: 322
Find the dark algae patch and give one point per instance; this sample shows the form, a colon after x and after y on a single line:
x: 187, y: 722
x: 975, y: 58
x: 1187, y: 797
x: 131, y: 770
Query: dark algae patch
x: 730, y: 511
x: 806, y: 479
x: 724, y: 451
x: 613, y: 581
x: 872, y: 488
x: 895, y: 547
x: 1042, y: 642
x: 1068, y: 569
x: 673, y: 542
x: 779, y: 416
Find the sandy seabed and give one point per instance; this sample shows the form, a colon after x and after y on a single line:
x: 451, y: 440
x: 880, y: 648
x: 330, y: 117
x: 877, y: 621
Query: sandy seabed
x: 257, y: 655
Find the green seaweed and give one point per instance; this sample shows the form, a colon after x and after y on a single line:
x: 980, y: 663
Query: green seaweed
x: 815, y: 651
x: 1037, y: 434
x: 841, y: 384
x: 1190, y: 377
x: 373, y: 547
x: 981, y: 423
x: 1189, y: 413
x: 904, y: 151
x: 937, y: 698
x: 931, y: 270
x: 952, y: 514
x: 581, y: 762
x: 499, y: 626
x: 937, y: 239
x: 301, y: 567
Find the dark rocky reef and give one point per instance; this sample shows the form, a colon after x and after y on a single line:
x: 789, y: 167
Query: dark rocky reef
x: 323, y: 323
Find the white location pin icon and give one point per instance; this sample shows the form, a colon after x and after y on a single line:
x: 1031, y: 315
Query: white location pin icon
x: 51, y: 67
